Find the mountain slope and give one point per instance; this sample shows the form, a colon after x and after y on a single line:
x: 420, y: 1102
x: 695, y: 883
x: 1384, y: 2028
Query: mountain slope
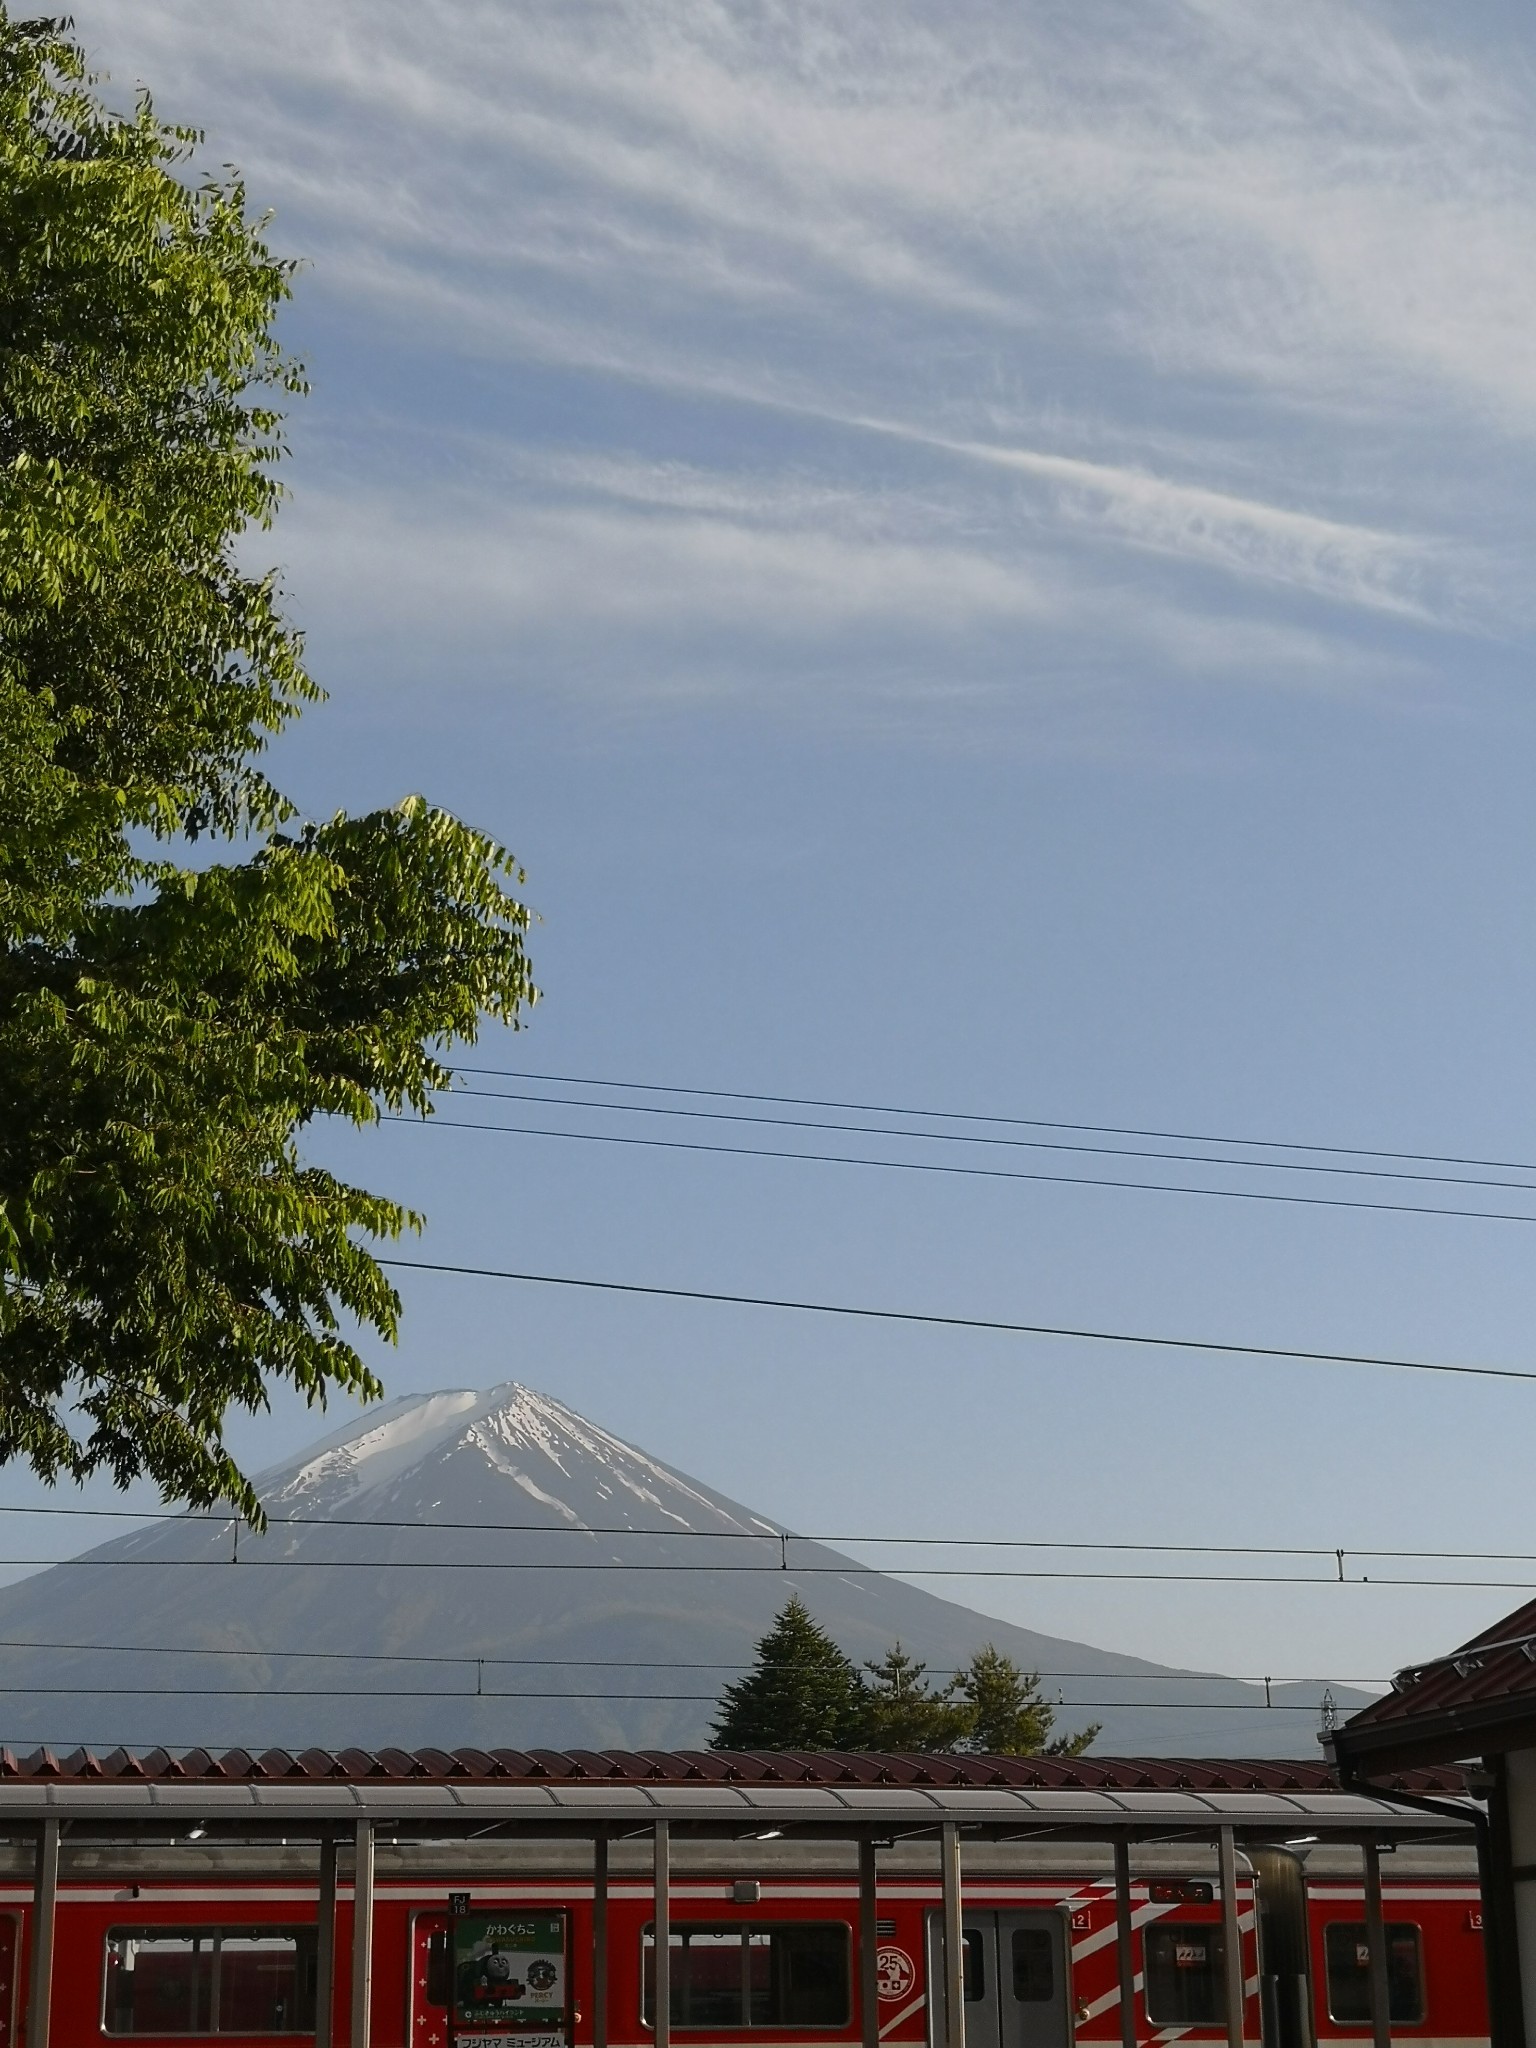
x: 494, y: 1556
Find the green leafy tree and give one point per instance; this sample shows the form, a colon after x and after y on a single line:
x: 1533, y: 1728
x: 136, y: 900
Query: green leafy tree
x: 1008, y: 1717
x: 802, y: 1692
x: 171, y: 1017
x: 902, y: 1711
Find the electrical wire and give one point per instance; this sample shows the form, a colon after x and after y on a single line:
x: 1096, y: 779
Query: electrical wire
x: 791, y: 1571
x: 939, y: 1166
x: 436, y: 1657
x: 1015, y: 1122
x: 214, y: 1520
x: 952, y: 1322
x: 780, y: 1123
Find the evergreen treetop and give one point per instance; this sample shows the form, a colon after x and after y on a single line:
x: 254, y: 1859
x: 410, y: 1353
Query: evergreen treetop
x: 802, y: 1692
x: 901, y: 1711
x: 1007, y: 1716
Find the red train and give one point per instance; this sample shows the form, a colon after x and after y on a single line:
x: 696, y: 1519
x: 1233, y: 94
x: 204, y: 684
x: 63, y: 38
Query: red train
x: 170, y: 1944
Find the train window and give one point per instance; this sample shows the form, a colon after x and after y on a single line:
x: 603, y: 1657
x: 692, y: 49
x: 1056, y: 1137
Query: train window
x: 209, y: 1980
x: 1184, y: 1979
x: 436, y: 1986
x: 973, y: 1967
x: 1034, y: 1965
x: 264, y: 1984
x: 1349, y: 1972
x: 735, y: 1974
x: 158, y: 1981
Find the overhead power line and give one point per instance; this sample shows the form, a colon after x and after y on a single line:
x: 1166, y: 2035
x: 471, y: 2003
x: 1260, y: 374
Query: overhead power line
x: 773, y: 1537
x: 782, y: 1123
x: 1014, y: 1122
x: 939, y: 1166
x: 248, y: 1563
x: 440, y: 1657
x: 1077, y: 1333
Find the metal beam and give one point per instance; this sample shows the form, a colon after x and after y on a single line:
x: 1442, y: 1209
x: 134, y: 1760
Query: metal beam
x: 600, y: 1941
x: 325, y: 1946
x: 869, y: 1946
x: 362, y: 1935
x: 954, y: 1939
x: 1376, y: 1946
x: 1231, y: 1939
x: 1125, y: 1951
x: 45, y: 1899
x: 661, y: 1886
x: 1501, y: 1932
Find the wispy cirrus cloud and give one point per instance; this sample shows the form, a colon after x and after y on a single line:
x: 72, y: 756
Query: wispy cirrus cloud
x: 1018, y: 292
x: 425, y: 561
x: 1247, y: 537
x: 1281, y: 198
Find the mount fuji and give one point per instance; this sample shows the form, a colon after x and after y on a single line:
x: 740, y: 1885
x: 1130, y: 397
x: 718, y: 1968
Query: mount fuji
x: 491, y: 1569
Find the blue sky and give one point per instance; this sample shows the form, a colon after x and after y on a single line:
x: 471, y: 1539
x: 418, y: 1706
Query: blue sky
x: 980, y: 558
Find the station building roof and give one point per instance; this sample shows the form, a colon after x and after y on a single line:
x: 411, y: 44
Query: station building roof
x: 1474, y: 1701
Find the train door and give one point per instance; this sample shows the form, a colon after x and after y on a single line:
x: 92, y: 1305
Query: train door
x: 1015, y: 1973
x: 429, y: 1980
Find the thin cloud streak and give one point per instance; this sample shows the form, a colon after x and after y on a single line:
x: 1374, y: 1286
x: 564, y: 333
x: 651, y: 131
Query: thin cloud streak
x: 425, y: 563
x: 1244, y: 536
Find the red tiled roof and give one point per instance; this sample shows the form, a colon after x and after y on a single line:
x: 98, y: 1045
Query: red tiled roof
x: 696, y: 1766
x: 1453, y: 1706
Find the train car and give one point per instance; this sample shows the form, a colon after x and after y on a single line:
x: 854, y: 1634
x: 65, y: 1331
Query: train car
x: 1436, y: 1982
x: 192, y: 1943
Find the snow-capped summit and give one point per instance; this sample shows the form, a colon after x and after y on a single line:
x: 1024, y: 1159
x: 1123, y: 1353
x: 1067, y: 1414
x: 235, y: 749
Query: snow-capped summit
x: 494, y: 1569
x: 364, y: 1455
x: 439, y: 1455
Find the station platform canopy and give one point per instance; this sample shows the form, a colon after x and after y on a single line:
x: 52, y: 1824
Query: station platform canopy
x: 440, y: 1794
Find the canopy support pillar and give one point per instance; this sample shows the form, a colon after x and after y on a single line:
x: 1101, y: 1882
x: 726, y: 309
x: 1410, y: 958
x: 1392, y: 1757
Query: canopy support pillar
x: 954, y: 1938
x: 1376, y: 1945
x: 1125, y: 1952
x: 600, y: 1941
x: 661, y: 1882
x: 45, y: 1899
x: 325, y: 1946
x: 869, y: 1945
x: 362, y: 1935
x: 1231, y: 1938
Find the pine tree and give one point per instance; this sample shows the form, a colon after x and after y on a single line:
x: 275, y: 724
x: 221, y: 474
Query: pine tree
x: 802, y: 1693
x: 900, y: 1711
x: 1008, y: 1715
